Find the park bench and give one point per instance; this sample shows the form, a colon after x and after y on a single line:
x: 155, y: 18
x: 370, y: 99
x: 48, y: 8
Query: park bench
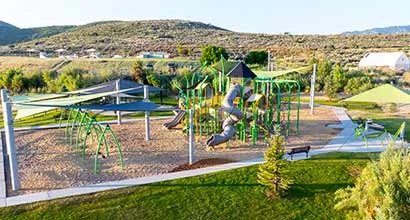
x: 296, y: 150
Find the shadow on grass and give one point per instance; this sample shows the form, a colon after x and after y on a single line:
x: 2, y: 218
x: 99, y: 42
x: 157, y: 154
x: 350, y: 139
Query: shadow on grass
x: 194, y: 185
x: 346, y: 156
x: 309, y: 190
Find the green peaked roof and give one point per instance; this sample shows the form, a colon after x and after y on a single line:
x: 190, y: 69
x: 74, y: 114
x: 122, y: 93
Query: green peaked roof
x: 383, y: 94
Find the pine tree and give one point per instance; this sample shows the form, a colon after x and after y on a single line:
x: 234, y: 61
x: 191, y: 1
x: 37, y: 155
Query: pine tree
x: 330, y: 88
x: 274, y: 173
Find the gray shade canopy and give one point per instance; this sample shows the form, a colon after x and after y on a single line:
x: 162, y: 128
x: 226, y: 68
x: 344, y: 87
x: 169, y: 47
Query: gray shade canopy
x: 112, y: 86
x: 136, y: 106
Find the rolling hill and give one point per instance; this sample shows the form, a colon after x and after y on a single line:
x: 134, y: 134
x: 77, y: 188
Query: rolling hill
x: 383, y: 30
x: 128, y: 38
x: 10, y: 34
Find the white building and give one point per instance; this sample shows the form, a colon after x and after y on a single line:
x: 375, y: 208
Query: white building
x: 160, y: 55
x: 396, y: 61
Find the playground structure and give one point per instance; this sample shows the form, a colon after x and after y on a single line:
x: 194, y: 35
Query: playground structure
x: 237, y: 102
x: 82, y: 127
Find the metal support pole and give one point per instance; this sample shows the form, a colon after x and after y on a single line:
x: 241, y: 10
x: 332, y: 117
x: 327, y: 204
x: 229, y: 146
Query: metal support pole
x: 147, y: 126
x: 11, y: 147
x: 118, y: 101
x: 268, y: 60
x: 312, y: 90
x: 191, y: 138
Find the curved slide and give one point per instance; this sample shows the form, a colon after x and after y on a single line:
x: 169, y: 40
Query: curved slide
x: 175, y: 121
x: 234, y: 116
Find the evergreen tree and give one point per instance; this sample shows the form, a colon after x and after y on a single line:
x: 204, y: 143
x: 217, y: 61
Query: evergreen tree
x: 138, y: 73
x: 382, y: 191
x: 330, y: 88
x: 274, y: 173
x: 324, y: 70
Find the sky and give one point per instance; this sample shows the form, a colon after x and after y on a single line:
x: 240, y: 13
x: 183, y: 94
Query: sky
x: 256, y: 16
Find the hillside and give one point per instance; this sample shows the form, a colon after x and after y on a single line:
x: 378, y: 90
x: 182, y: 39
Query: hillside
x: 383, y: 30
x: 129, y: 38
x: 10, y: 34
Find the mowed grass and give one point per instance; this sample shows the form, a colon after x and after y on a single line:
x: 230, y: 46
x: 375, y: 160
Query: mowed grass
x: 233, y: 194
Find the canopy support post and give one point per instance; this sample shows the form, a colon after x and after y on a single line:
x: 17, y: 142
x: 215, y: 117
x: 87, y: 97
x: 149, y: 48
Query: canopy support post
x: 118, y: 101
x: 312, y: 90
x: 147, y: 125
x: 10, y: 142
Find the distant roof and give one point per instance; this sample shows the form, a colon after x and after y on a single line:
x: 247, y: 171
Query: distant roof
x: 60, y: 50
x: 381, y: 59
x: 383, y: 94
x: 112, y: 86
x: 91, y: 50
x: 241, y: 71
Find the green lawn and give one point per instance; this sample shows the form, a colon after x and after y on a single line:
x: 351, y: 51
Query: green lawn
x: 233, y: 194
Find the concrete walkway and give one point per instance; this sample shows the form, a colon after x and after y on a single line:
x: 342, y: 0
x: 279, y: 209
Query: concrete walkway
x: 343, y: 142
x: 346, y: 141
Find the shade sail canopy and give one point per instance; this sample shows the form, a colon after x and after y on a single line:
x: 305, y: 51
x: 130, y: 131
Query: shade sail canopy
x: 383, y: 94
x: 84, y: 91
x: 136, y: 106
x: 33, y: 108
x: 34, y: 98
x: 241, y: 71
x: 273, y: 74
x: 112, y: 86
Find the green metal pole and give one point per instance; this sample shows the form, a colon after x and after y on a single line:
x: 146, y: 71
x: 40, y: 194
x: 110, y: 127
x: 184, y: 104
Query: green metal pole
x: 298, y: 110
x: 118, y: 146
x: 75, y: 121
x: 279, y: 99
x: 79, y: 130
x: 289, y: 108
x: 200, y: 109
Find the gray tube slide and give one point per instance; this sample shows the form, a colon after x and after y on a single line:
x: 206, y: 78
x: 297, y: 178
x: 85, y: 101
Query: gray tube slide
x: 234, y: 116
x: 175, y: 121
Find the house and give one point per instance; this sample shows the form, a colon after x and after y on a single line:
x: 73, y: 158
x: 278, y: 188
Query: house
x: 160, y: 55
x: 397, y: 61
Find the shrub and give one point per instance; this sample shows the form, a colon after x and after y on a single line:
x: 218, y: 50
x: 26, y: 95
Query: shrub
x: 274, y: 173
x: 259, y: 57
x: 138, y: 73
x: 159, y: 80
x: 6, y: 77
x: 359, y: 84
x: 212, y: 54
x: 382, y: 191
